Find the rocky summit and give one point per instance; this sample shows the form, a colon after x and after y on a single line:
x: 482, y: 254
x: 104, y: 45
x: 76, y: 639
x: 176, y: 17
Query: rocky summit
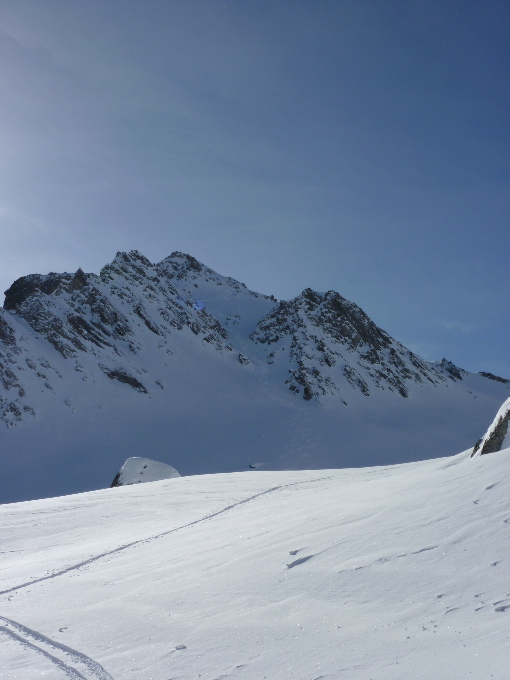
x: 175, y: 361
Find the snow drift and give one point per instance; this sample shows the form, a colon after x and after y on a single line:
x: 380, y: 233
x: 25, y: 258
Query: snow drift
x: 139, y: 470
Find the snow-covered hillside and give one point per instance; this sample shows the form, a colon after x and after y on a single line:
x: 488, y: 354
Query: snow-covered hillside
x: 384, y: 573
x: 174, y: 362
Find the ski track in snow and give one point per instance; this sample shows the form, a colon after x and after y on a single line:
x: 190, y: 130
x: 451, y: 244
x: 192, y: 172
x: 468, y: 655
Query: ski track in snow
x: 155, y: 537
x: 93, y: 669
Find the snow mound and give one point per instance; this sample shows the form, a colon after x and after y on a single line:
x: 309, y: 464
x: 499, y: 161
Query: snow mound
x: 140, y: 470
x: 497, y: 436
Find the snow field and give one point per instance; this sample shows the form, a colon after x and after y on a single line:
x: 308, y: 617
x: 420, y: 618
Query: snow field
x: 388, y: 573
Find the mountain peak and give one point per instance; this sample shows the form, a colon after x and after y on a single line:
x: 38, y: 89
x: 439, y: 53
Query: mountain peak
x: 335, y: 347
x: 454, y: 372
x: 184, y: 261
x: 176, y: 359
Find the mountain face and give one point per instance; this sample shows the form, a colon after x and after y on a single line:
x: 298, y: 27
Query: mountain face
x: 175, y: 361
x: 333, y: 343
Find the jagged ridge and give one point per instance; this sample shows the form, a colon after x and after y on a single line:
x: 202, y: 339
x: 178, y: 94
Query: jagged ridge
x: 334, y: 343
x: 175, y: 362
x: 328, y: 345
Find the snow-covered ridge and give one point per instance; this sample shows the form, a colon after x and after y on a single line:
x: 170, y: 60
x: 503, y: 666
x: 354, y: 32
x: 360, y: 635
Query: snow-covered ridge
x: 177, y: 360
x: 333, y: 345
x: 328, y: 344
x: 108, y: 317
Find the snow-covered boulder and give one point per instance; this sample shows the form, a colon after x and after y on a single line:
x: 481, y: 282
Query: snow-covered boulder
x: 497, y: 436
x: 140, y: 470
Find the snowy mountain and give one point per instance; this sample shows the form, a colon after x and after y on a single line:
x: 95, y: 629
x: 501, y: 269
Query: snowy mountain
x: 387, y: 573
x: 333, y: 345
x: 174, y: 362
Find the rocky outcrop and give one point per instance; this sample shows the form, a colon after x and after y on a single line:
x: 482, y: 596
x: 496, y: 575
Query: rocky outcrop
x: 123, y: 377
x: 497, y: 436
x: 497, y: 378
x: 12, y: 403
x: 7, y: 333
x: 452, y: 371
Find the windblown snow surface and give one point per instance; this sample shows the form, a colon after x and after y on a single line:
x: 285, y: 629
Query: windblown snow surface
x: 380, y: 573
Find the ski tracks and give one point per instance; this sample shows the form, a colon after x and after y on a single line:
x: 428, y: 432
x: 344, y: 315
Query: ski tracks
x: 142, y: 541
x: 60, y: 655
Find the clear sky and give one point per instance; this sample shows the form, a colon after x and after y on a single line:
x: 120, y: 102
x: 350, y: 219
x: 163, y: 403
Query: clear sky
x: 354, y: 145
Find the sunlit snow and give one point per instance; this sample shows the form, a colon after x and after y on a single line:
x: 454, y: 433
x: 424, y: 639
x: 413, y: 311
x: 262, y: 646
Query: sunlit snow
x: 382, y: 573
x: 139, y: 470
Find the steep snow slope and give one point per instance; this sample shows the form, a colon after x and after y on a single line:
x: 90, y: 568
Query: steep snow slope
x: 175, y: 362
x: 389, y: 573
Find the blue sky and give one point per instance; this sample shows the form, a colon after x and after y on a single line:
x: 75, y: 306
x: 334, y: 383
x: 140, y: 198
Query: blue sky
x: 360, y: 146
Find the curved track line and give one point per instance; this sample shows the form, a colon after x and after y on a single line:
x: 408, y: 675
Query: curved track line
x: 68, y: 670
x: 152, y: 538
x: 130, y: 545
x: 78, y: 657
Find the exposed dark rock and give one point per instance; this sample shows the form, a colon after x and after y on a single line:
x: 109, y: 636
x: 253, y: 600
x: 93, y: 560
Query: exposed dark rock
x: 188, y: 263
x: 140, y: 311
x: 133, y: 267
x: 10, y: 412
x: 116, y: 481
x: 79, y: 280
x: 453, y: 371
x: 19, y: 291
x: 356, y: 380
x: 494, y: 439
x: 108, y: 319
x: 493, y: 442
x: 123, y: 377
x: 85, y: 330
x: 8, y: 379
x: 491, y: 376
x: 7, y: 335
x: 476, y: 446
